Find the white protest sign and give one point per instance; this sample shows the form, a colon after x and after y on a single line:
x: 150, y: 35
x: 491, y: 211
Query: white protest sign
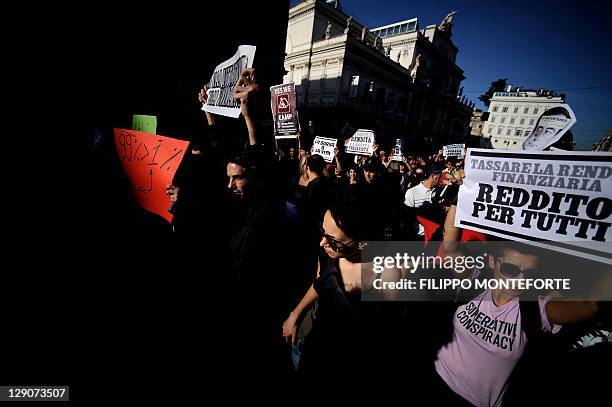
x: 453, y: 150
x: 361, y: 142
x: 550, y: 127
x: 558, y: 200
x: 398, y: 150
x: 223, y: 81
x: 324, y: 147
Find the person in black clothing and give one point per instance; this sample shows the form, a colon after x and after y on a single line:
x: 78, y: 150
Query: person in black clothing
x: 381, y: 195
x: 333, y: 345
x: 200, y: 185
x: 318, y: 194
x: 245, y: 286
x: 315, y: 199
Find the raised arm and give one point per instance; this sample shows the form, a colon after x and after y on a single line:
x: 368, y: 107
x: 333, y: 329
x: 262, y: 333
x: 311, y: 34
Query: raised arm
x: 561, y: 312
x: 596, y: 307
x: 202, y: 97
x: 245, y: 91
x: 337, y: 158
x: 451, y: 232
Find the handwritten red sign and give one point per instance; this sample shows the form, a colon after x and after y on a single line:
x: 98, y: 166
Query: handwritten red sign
x: 150, y: 162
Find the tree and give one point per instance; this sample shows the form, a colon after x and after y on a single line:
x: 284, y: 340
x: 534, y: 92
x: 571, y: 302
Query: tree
x: 497, y: 86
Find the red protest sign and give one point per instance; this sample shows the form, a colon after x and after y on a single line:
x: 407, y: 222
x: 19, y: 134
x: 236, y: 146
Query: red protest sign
x: 150, y: 162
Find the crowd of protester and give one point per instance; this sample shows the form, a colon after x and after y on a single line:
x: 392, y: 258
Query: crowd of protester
x: 289, y: 232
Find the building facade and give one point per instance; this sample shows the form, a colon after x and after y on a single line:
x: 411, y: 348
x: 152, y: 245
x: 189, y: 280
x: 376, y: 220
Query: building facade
x: 477, y: 122
x: 513, y: 114
x: 398, y: 79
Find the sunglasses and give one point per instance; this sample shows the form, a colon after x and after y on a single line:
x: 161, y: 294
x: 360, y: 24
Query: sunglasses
x: 512, y: 270
x: 334, y: 243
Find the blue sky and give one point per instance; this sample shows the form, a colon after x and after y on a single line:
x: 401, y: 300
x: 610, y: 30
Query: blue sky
x: 536, y: 44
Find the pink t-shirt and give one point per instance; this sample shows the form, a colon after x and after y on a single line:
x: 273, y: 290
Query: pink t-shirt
x: 487, y: 343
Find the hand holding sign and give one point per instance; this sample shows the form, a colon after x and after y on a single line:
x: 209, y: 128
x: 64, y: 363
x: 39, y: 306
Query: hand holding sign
x: 150, y: 162
x: 245, y: 88
x: 203, y: 96
x: 172, y: 191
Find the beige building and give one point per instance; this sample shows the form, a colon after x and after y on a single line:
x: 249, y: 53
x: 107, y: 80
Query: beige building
x: 400, y: 76
x: 477, y: 122
x: 513, y: 114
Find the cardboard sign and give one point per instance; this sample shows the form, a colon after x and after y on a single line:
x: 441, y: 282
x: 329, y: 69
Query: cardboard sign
x: 286, y: 123
x: 223, y: 81
x: 558, y: 200
x: 398, y: 151
x: 550, y: 127
x: 144, y: 123
x: 150, y: 162
x: 453, y: 150
x: 324, y: 147
x: 361, y: 142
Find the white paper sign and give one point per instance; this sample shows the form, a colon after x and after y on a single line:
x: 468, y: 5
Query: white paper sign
x: 453, y: 150
x: 558, y: 200
x: 361, y: 142
x: 550, y: 127
x: 398, y: 151
x: 223, y: 81
x: 324, y: 147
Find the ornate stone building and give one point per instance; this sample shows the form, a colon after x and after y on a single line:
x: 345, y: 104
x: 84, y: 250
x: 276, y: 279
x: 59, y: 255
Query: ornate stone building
x: 398, y: 79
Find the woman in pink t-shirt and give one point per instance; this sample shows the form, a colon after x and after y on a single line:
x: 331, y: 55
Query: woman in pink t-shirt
x: 488, y: 332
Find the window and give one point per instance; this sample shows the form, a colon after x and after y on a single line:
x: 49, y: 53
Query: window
x: 396, y: 30
x: 404, y: 28
x: 354, y: 86
x: 531, y: 122
x: 516, y: 110
x: 493, y: 119
x: 499, y: 130
x: 508, y: 132
x: 490, y: 130
x: 502, y: 120
x: 512, y: 120
x: 495, y: 108
x: 526, y: 110
x: 518, y: 133
x: 527, y: 133
x: 505, y: 109
x: 522, y: 121
x: 535, y: 111
x: 412, y: 26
